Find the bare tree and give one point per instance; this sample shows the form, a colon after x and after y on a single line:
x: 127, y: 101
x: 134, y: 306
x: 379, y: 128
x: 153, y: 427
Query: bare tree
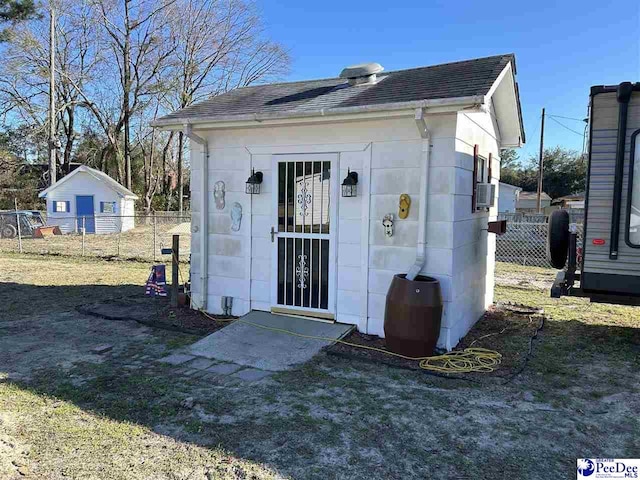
x: 219, y: 46
x: 119, y: 63
x: 134, y: 40
x: 24, y: 82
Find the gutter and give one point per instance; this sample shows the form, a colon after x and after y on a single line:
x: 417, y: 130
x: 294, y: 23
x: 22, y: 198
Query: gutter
x: 421, y: 247
x: 323, y: 112
x: 204, y: 214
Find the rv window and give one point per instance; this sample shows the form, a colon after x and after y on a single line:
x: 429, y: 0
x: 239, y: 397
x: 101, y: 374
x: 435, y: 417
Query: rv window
x: 634, y: 218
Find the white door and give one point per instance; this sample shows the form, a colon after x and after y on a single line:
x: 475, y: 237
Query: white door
x: 303, y: 233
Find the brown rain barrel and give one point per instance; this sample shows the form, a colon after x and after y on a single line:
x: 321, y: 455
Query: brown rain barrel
x: 412, y: 315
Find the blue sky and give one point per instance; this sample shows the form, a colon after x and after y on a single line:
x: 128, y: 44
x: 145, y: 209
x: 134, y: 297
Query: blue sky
x: 561, y: 47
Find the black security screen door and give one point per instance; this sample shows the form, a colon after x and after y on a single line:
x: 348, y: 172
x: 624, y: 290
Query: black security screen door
x: 304, y: 232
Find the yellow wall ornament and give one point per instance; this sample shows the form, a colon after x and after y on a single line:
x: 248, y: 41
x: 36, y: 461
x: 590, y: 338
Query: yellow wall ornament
x: 405, y: 205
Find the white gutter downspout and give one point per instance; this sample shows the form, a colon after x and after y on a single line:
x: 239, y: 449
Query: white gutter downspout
x: 204, y: 214
x: 421, y: 247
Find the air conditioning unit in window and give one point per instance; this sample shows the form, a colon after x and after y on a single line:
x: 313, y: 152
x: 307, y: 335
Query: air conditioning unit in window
x: 485, y: 195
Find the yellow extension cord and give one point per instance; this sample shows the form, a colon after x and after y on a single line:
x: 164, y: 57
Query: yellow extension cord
x: 472, y: 359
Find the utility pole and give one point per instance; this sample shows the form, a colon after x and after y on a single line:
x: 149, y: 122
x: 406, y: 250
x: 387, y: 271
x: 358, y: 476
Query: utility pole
x: 52, y: 96
x: 126, y: 90
x: 541, y: 166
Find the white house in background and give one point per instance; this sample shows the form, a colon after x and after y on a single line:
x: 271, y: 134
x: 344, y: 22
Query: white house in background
x: 90, y: 198
x: 528, y: 202
x: 507, y: 197
x: 434, y: 133
x: 573, y: 201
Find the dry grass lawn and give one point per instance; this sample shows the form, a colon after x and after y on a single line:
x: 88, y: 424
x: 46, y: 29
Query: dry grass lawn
x: 135, y: 244
x: 68, y: 413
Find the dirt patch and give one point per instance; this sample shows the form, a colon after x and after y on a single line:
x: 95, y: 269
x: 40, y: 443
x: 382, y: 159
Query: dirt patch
x: 121, y: 414
x: 509, y: 274
x: 13, y: 456
x: 505, y: 330
x: 157, y: 312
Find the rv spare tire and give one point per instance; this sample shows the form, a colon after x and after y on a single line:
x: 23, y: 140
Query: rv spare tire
x: 7, y: 231
x: 558, y: 238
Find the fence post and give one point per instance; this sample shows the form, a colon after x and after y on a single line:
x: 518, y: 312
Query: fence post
x: 524, y: 250
x: 83, y: 232
x: 119, y: 235
x: 15, y: 202
x: 154, y: 236
x: 175, y: 258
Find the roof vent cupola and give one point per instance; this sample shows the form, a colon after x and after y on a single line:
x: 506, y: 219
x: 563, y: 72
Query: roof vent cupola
x: 362, y: 74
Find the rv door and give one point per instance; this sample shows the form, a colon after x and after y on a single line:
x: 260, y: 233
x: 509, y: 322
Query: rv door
x: 632, y: 236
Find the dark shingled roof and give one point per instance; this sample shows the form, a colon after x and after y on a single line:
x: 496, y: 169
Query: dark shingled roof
x: 449, y: 80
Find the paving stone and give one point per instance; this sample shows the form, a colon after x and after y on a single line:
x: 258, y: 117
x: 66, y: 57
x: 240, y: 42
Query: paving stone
x: 177, y: 358
x: 251, y: 374
x: 201, y: 363
x: 102, y: 349
x: 191, y: 372
x: 224, y: 368
x: 200, y: 374
x: 266, y: 349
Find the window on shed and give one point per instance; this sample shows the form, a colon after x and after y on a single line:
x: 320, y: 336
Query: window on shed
x: 107, y: 207
x: 61, y: 206
x: 481, y: 174
x: 481, y: 169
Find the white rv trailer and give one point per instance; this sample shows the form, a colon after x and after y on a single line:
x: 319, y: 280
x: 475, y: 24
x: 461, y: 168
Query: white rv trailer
x: 609, y: 270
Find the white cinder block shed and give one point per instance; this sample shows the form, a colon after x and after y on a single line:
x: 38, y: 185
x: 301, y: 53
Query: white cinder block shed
x: 434, y: 133
x: 91, y: 198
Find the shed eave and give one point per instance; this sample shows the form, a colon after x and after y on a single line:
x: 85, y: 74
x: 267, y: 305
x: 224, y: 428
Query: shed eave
x: 505, y: 96
x: 457, y: 103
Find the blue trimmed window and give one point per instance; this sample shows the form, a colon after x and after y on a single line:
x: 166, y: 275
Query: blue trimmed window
x: 61, y: 206
x: 107, y: 207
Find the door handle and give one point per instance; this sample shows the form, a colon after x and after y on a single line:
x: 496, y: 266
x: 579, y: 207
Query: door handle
x: 273, y: 234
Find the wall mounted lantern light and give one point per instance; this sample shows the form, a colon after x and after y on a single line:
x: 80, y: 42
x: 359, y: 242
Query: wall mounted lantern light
x: 350, y: 184
x: 253, y: 183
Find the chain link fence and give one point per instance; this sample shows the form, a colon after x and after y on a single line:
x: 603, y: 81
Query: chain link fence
x: 143, y: 236
x: 525, y: 242
x: 136, y: 237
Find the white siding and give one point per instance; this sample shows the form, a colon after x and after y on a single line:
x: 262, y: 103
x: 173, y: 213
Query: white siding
x: 507, y: 197
x: 387, y: 156
x: 128, y: 213
x: 473, y: 249
x: 85, y: 184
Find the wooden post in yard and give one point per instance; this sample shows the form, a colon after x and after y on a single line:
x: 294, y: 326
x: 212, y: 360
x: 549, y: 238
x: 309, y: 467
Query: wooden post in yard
x: 175, y: 257
x: 119, y: 236
x: 83, y: 232
x: 154, y: 236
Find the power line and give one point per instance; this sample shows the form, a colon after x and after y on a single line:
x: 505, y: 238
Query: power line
x: 564, y: 126
x: 527, y: 149
x: 566, y: 118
